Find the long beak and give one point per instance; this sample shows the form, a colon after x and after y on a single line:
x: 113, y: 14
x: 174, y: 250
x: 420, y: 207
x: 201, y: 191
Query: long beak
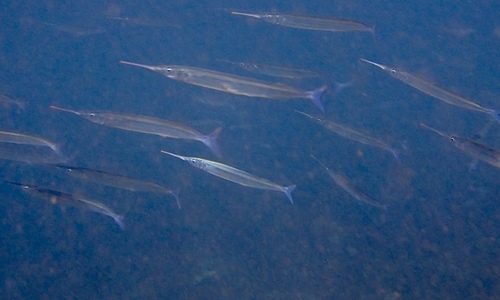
x: 385, y: 68
x: 152, y: 68
x: 303, y: 113
x: 246, y: 14
x: 175, y: 155
x: 66, y: 110
x: 314, y: 157
x: 433, y: 129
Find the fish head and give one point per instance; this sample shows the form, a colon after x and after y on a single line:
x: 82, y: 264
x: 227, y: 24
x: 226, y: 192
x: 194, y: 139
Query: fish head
x: 196, y: 162
x: 401, y: 75
x: 273, y: 19
x: 173, y: 72
x: 459, y: 141
x: 94, y: 117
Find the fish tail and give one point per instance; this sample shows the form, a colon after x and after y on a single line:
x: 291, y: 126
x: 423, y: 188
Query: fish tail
x: 57, y: 149
x: 175, y: 193
x: 495, y: 113
x: 288, y: 192
x: 373, y: 32
x: 316, y: 95
x: 119, y: 220
x: 396, y: 153
x: 211, y: 141
x: 340, y: 86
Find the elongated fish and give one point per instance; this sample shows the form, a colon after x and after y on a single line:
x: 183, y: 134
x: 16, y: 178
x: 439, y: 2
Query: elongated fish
x: 275, y: 71
x: 24, y: 139
x: 344, y: 183
x: 118, y: 181
x: 353, y: 134
x: 233, y: 84
x: 75, y: 31
x: 234, y: 175
x: 65, y: 199
x: 6, y: 99
x: 470, y: 147
x: 310, y: 23
x: 149, y: 125
x: 30, y: 155
x: 435, y: 91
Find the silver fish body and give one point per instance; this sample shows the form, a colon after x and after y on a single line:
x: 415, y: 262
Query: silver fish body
x: 66, y: 199
x: 234, y: 84
x: 150, y: 125
x: 435, y: 91
x: 235, y: 175
x: 310, y: 23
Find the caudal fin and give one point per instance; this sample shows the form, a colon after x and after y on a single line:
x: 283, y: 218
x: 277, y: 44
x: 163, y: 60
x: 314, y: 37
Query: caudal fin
x: 395, y: 153
x: 288, y: 192
x: 175, y: 193
x: 340, y: 86
x: 119, y: 220
x: 495, y: 113
x: 211, y: 141
x: 316, y: 95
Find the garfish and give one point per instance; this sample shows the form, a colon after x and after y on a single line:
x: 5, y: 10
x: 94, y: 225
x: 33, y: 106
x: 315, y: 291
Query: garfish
x: 6, y: 99
x: 234, y: 84
x: 24, y: 139
x: 235, y: 175
x: 76, y: 31
x: 118, y: 181
x: 275, y: 71
x: 310, y: 23
x: 435, y: 91
x: 143, y: 22
x: 353, y: 134
x: 149, y: 125
x: 470, y: 147
x: 66, y: 199
x: 344, y: 183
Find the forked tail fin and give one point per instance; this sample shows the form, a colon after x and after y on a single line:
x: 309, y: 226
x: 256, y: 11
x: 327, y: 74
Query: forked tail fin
x: 316, y: 95
x: 175, y: 193
x: 211, y: 141
x: 119, y: 220
x: 288, y: 192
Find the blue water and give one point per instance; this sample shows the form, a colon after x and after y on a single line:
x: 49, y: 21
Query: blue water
x: 437, y: 240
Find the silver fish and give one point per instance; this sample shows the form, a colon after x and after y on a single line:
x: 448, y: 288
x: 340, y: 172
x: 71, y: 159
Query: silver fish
x: 435, y: 91
x: 65, y: 199
x: 6, y: 99
x: 144, y: 22
x: 353, y: 134
x: 235, y: 175
x: 149, y: 125
x: 470, y: 147
x: 30, y: 155
x: 118, y: 181
x: 310, y: 23
x: 344, y: 183
x: 24, y: 139
x: 233, y: 84
x: 75, y: 31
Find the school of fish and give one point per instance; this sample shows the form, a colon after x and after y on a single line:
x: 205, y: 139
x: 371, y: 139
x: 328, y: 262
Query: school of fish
x: 31, y: 148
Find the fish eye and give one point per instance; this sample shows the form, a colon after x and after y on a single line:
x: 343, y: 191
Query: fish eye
x: 91, y: 114
x: 193, y: 160
x: 393, y: 71
x: 169, y: 70
x: 452, y: 139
